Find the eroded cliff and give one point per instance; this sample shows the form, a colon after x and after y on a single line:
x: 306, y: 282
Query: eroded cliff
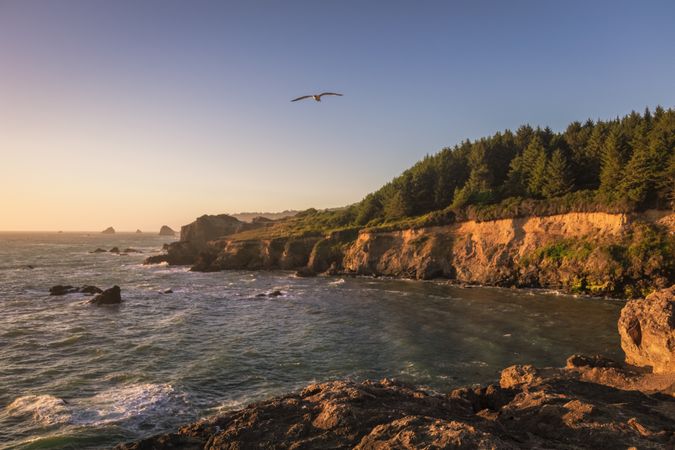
x: 597, y: 253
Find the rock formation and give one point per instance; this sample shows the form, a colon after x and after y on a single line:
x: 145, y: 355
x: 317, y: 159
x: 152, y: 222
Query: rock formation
x: 647, y: 329
x: 593, y: 402
x: 110, y: 296
x: 576, y: 252
x: 166, y: 231
x: 109, y: 230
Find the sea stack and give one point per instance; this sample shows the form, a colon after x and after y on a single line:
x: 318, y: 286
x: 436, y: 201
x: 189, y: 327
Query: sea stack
x: 109, y: 230
x: 166, y: 231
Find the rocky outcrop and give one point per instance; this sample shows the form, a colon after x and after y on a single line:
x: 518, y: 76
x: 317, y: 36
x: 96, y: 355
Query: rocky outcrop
x: 208, y: 228
x: 109, y: 230
x: 529, y: 408
x: 166, y: 231
x: 110, y: 296
x: 593, y: 253
x: 647, y: 329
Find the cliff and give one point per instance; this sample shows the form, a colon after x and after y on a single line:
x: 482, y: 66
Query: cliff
x: 593, y: 402
x: 623, y: 255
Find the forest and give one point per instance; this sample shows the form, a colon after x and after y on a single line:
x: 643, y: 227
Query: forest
x: 621, y: 165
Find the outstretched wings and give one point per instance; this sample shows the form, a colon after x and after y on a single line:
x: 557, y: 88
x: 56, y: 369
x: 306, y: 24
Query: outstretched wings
x: 302, y: 98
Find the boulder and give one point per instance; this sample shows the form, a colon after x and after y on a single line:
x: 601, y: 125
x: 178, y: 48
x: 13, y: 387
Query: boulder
x: 110, y: 296
x: 166, y: 231
x: 109, y: 230
x: 647, y: 329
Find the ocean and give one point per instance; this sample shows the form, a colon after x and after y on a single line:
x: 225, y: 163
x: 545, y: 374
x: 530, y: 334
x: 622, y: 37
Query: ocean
x: 74, y: 375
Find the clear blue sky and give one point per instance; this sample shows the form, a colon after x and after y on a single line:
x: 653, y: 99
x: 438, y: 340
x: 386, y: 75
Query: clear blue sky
x: 139, y: 113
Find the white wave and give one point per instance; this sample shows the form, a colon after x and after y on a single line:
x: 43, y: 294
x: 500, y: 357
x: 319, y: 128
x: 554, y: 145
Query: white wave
x: 44, y: 409
x: 121, y: 404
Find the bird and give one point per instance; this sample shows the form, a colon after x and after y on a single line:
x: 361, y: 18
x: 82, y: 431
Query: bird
x: 316, y: 97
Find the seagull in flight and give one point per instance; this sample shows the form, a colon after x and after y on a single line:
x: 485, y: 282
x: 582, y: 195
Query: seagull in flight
x: 316, y: 97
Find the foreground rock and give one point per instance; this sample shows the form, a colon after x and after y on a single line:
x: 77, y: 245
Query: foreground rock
x: 166, y: 231
x: 530, y: 408
x: 647, y: 329
x: 110, y: 296
x: 593, y: 402
x: 109, y: 230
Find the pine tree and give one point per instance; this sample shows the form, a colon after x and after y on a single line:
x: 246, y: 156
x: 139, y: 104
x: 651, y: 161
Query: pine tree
x: 613, y: 160
x: 557, y: 180
x: 537, y: 175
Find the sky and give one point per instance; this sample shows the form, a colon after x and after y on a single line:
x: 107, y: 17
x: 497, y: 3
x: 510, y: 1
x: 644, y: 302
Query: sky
x: 135, y: 114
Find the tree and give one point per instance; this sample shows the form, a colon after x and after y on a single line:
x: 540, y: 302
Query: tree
x: 613, y: 160
x: 558, y: 180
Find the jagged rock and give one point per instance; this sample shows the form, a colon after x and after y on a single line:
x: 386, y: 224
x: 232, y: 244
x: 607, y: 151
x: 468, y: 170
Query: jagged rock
x: 166, y: 231
x: 114, y: 250
x: 99, y: 250
x: 62, y: 289
x: 110, y: 296
x: 542, y: 408
x: 109, y: 230
x: 647, y: 329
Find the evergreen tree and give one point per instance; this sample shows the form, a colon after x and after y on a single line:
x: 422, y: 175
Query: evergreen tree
x: 558, y: 180
x: 613, y: 160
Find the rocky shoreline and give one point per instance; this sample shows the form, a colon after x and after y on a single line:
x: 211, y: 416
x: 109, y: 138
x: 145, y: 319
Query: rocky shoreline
x: 592, y: 402
x: 603, y: 254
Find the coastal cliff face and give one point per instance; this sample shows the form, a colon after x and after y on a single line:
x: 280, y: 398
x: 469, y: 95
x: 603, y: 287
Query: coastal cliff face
x: 592, y: 402
x: 595, y: 253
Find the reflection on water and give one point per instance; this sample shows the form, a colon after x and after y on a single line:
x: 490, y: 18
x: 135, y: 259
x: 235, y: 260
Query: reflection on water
x: 83, y: 376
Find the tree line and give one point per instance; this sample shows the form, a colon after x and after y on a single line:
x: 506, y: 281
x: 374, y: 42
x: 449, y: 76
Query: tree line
x: 628, y: 161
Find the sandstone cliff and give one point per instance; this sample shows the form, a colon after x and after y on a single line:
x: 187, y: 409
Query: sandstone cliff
x: 595, y: 253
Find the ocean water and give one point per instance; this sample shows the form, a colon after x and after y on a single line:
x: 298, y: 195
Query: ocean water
x: 73, y: 375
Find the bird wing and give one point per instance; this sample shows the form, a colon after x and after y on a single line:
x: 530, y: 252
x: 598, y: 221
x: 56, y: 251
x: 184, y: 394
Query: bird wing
x: 330, y: 93
x: 302, y: 98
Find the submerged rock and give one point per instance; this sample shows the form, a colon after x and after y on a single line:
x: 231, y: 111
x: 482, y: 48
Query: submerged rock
x: 647, y: 329
x: 166, y: 231
x: 62, y: 289
x: 67, y: 289
x: 110, y: 296
x: 109, y: 230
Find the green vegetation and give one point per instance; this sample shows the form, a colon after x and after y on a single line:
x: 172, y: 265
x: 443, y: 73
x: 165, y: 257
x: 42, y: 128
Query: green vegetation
x: 620, y: 165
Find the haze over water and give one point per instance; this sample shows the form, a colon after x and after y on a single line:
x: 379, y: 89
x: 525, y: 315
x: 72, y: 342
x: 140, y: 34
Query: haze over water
x: 74, y: 375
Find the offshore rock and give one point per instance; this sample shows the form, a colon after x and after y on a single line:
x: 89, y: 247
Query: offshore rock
x: 166, y: 231
x: 110, y: 296
x: 647, y: 329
